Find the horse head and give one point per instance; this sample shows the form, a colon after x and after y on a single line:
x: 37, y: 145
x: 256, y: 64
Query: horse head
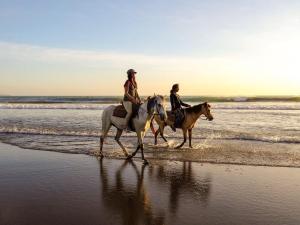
x: 157, y: 106
x: 206, y: 111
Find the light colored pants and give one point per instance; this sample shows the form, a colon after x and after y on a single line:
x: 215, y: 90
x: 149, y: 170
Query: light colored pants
x: 128, y: 106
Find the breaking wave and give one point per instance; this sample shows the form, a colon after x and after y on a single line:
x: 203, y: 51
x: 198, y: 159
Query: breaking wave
x: 53, y: 106
x: 95, y: 133
x: 93, y: 106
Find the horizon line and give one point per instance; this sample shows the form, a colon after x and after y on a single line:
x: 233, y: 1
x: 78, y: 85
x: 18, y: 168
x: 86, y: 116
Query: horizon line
x: 215, y: 96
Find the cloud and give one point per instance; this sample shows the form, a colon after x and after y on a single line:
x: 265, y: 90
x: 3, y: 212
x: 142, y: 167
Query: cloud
x: 24, y: 52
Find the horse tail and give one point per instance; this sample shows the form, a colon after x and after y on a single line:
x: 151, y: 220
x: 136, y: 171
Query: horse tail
x: 106, y: 123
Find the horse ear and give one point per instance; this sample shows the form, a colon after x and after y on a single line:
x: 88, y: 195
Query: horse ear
x: 205, y: 104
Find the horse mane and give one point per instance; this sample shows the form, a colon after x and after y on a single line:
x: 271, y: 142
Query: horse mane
x: 154, y: 96
x: 150, y: 102
x: 195, y: 109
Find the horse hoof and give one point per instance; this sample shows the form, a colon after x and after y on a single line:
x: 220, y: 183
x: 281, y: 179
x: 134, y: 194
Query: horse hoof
x: 191, y: 147
x: 99, y: 155
x: 178, y: 147
x: 146, y: 162
x: 129, y: 157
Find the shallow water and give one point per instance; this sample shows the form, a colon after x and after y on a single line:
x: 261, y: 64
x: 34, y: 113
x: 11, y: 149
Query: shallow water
x: 256, y: 133
x: 54, y: 188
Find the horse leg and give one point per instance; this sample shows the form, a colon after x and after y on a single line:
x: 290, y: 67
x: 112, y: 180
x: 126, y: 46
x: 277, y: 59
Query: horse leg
x: 155, y: 136
x: 102, y: 138
x: 190, y: 138
x: 140, y: 138
x: 139, y: 135
x: 184, y: 139
x: 101, y: 146
x: 134, y: 153
x: 117, y: 138
x: 143, y: 158
x: 158, y: 130
x: 162, y: 133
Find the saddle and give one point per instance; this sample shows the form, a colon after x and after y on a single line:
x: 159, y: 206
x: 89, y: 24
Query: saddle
x: 121, y: 112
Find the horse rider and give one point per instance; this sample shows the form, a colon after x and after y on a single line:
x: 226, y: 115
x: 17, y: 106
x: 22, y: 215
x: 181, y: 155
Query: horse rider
x: 176, y: 105
x: 131, y: 95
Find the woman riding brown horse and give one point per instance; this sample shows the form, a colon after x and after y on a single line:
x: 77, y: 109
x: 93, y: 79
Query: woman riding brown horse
x: 192, y: 114
x: 177, y: 107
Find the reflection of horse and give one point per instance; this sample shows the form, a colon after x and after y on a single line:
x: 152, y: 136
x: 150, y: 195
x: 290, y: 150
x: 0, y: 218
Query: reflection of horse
x: 129, y: 198
x: 192, y: 114
x: 141, y: 122
x: 131, y: 202
x: 182, y: 181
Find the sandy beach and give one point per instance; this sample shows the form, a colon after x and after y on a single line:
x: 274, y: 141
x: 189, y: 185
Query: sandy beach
x: 39, y: 187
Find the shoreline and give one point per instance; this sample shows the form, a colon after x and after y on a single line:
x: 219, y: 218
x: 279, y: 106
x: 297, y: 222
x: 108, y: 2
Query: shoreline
x: 153, y: 158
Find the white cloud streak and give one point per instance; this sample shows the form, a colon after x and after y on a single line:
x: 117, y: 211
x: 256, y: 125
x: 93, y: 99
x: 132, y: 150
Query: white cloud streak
x: 23, y: 52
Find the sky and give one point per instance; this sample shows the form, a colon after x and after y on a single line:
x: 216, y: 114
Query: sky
x: 215, y: 47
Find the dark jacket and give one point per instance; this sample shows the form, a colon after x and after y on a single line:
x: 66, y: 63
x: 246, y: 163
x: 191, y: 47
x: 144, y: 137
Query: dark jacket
x: 176, y: 102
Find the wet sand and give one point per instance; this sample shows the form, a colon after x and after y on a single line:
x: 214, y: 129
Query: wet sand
x: 38, y: 187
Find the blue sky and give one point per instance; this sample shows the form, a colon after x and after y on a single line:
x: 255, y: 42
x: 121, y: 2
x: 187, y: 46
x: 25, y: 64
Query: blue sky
x: 196, y: 43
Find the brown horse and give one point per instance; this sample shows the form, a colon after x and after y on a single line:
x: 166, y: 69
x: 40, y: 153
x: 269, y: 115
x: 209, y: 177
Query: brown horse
x: 192, y: 114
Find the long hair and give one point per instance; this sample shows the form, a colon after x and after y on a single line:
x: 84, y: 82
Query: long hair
x: 131, y: 78
x: 174, y: 87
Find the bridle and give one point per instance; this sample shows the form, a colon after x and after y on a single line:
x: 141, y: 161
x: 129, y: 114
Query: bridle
x: 206, y: 118
x: 157, y: 109
x: 156, y: 112
x: 150, y: 102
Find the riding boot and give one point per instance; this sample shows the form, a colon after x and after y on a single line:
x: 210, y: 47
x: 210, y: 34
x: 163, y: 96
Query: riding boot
x: 173, y: 128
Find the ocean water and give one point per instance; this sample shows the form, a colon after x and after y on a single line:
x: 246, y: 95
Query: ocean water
x: 242, y: 132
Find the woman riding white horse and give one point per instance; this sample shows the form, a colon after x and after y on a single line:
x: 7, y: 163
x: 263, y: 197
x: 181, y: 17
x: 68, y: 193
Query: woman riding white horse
x: 131, y: 96
x: 140, y: 123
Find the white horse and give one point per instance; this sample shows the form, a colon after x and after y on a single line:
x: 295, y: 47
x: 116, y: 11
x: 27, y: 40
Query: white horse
x: 141, y: 123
